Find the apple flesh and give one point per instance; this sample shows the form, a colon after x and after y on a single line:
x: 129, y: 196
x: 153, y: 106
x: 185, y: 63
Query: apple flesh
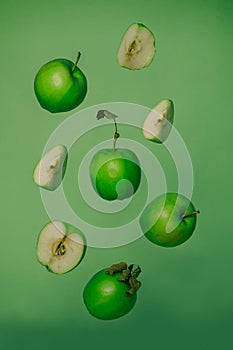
x: 60, y: 247
x: 60, y: 86
x: 115, y: 174
x: 50, y: 170
x: 137, y: 48
x: 165, y: 226
x: 158, y: 123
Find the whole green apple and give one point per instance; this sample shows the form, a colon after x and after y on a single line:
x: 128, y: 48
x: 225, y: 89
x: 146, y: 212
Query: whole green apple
x: 115, y: 173
x: 60, y: 85
x: 165, y: 226
x: 111, y: 293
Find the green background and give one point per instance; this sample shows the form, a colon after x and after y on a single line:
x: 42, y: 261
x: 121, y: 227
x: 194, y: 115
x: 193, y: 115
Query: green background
x: 186, y: 298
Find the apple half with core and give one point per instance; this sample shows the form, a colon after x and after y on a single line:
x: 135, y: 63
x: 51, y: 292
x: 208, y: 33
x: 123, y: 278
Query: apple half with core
x: 137, y: 48
x: 111, y: 293
x: 60, y: 247
x: 158, y: 123
x: 60, y: 85
x: 50, y: 170
x: 169, y: 220
x: 115, y: 173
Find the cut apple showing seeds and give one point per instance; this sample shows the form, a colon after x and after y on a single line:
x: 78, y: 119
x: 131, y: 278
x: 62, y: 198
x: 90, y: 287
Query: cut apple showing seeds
x: 60, y: 247
x: 50, y: 171
x: 137, y: 48
x: 158, y: 123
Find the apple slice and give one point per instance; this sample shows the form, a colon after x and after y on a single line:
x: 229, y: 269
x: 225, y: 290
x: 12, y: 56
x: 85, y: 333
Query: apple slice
x: 137, y: 48
x: 158, y: 123
x: 60, y: 247
x: 50, y: 171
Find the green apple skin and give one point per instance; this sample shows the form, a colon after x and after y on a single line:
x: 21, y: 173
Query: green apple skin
x: 108, y: 167
x: 59, y: 87
x: 159, y: 212
x: 105, y: 298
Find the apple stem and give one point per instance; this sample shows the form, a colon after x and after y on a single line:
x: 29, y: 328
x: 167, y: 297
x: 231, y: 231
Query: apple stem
x: 116, y: 135
x: 190, y: 214
x: 76, y: 62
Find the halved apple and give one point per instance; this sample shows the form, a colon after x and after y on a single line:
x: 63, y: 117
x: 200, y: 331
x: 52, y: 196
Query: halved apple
x: 158, y: 123
x: 137, y: 48
x: 60, y: 247
x: 50, y: 170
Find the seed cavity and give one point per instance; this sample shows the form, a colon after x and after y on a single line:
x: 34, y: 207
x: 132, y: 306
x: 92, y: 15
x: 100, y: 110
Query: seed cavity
x: 134, y: 47
x: 53, y: 164
x: 61, y: 249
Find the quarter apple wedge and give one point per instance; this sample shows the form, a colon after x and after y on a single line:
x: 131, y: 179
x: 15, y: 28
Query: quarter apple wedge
x: 50, y: 171
x: 60, y: 247
x: 158, y: 123
x: 137, y: 48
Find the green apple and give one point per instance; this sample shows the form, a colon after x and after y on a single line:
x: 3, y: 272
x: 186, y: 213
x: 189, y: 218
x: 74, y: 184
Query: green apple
x: 50, y: 170
x: 158, y: 123
x: 112, y: 293
x: 169, y: 220
x: 60, y: 85
x: 60, y: 247
x: 137, y: 48
x: 115, y: 173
